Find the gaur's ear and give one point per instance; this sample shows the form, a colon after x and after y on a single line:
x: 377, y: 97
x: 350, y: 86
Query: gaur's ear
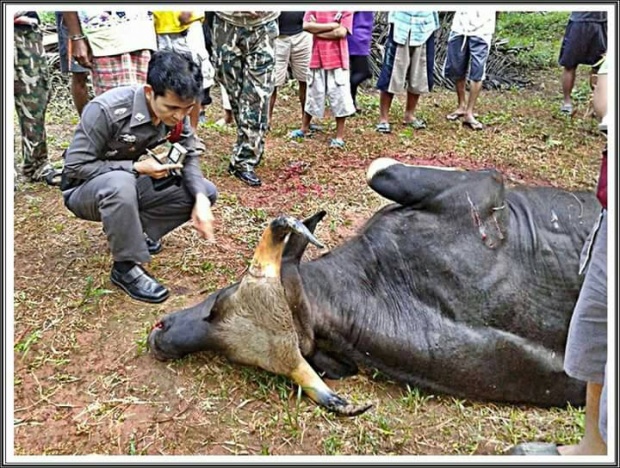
x: 296, y: 244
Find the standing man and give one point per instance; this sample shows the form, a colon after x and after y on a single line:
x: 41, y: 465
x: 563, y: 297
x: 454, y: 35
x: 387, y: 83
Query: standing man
x: 79, y: 74
x: 31, y: 91
x: 245, y: 57
x: 585, y: 357
x: 173, y: 32
x: 293, y: 47
x: 359, y: 50
x: 468, y: 48
x: 115, y: 45
x: 585, y: 42
x: 408, y: 64
x: 105, y: 179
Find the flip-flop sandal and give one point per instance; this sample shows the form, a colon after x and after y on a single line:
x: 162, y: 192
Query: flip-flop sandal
x: 566, y: 109
x: 297, y: 134
x: 336, y: 143
x: 454, y: 116
x: 315, y: 128
x: 416, y: 124
x: 383, y: 127
x: 475, y: 125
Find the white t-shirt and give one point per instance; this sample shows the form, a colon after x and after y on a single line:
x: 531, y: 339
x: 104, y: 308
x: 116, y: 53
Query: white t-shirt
x: 479, y: 23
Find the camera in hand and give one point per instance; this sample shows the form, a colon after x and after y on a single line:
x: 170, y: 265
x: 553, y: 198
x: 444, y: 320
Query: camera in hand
x: 176, y: 155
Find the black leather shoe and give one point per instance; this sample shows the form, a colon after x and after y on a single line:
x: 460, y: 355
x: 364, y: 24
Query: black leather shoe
x: 154, y: 246
x: 140, y: 285
x: 249, y: 177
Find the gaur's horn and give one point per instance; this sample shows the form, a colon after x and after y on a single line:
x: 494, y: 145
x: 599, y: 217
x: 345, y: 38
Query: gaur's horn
x: 320, y: 393
x: 267, y: 258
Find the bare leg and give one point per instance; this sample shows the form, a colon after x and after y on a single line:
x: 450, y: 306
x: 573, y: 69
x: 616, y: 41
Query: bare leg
x: 305, y: 122
x: 474, y: 92
x: 302, y: 95
x: 272, y: 102
x: 228, y: 117
x: 568, y: 82
x: 460, y: 96
x: 593, y: 79
x: 340, y: 127
x: 412, y: 103
x: 385, y: 102
x: 79, y: 91
x: 592, y: 443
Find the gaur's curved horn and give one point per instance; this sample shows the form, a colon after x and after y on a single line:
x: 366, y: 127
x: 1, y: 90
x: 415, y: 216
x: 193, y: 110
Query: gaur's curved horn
x: 267, y: 258
x: 317, y: 390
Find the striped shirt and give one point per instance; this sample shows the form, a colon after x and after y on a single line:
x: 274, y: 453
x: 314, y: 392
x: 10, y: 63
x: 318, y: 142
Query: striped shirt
x: 329, y: 54
x: 413, y: 27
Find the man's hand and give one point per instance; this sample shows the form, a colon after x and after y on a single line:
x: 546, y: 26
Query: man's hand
x: 184, y: 17
x: 202, y: 217
x: 21, y: 18
x: 80, y: 51
x: 154, y: 169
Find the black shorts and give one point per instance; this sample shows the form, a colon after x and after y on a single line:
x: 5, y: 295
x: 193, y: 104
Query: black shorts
x: 584, y: 43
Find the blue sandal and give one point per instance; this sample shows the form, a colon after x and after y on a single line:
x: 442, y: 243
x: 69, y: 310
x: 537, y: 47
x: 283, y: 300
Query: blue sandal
x: 336, y: 143
x: 383, y: 127
x: 299, y: 133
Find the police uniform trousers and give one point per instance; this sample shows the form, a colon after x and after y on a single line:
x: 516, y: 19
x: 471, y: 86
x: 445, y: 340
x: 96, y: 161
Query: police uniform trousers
x: 129, y: 207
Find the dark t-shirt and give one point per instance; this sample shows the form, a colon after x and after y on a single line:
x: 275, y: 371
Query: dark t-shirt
x: 291, y: 22
x: 586, y: 16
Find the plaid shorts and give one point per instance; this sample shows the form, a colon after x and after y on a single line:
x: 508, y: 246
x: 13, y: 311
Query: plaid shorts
x: 120, y: 70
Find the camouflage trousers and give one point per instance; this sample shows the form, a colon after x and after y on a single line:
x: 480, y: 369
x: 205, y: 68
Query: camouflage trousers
x: 31, y: 92
x: 245, y: 66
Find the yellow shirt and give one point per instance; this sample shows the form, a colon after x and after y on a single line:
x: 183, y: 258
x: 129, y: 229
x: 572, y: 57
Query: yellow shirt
x: 167, y: 22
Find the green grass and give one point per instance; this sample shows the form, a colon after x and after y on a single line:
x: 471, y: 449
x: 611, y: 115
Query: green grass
x: 543, y: 31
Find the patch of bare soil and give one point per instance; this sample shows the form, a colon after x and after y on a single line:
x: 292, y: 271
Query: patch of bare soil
x: 85, y: 383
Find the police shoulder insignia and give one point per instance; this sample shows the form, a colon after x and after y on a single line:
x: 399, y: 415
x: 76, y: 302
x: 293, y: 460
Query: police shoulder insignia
x: 120, y: 110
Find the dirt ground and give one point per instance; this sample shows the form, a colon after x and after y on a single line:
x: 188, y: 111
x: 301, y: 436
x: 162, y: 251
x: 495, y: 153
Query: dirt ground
x: 85, y: 382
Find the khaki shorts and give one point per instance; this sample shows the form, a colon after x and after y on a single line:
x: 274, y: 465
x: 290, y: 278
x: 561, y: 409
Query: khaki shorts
x: 294, y: 51
x: 586, y: 345
x: 407, y: 68
x: 332, y: 84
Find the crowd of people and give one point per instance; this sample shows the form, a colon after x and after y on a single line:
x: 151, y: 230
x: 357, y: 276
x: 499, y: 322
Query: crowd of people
x: 151, y: 87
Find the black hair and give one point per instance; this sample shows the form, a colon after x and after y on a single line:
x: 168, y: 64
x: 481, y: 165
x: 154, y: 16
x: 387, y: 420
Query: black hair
x: 174, y: 71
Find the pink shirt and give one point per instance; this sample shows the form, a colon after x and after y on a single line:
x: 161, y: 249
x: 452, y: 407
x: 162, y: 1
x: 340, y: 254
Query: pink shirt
x: 329, y: 54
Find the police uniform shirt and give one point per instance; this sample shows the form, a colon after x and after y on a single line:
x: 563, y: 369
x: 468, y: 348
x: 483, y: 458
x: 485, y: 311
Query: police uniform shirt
x: 115, y: 129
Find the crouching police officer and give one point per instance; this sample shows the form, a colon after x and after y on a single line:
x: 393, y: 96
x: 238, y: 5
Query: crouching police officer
x: 108, y: 178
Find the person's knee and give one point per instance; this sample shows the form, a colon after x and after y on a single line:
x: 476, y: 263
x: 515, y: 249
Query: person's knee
x: 120, y: 190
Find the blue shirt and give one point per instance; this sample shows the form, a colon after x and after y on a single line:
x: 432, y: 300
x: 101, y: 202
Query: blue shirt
x: 413, y: 27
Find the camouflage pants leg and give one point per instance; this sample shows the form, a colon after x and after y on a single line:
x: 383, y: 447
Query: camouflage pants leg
x: 245, y: 67
x: 31, y: 89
